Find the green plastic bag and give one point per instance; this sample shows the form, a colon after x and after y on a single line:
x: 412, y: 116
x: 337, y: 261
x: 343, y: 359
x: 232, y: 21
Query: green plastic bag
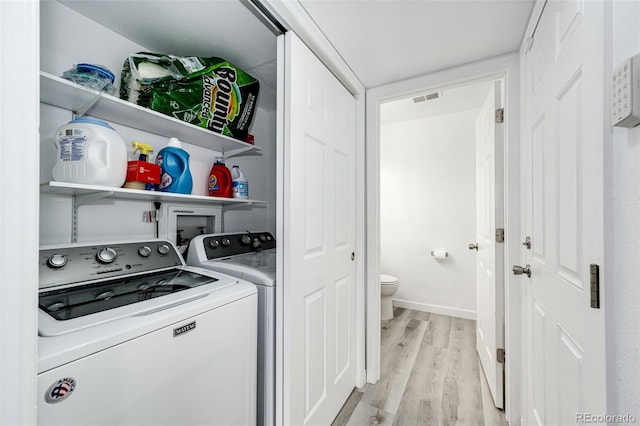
x: 208, y: 92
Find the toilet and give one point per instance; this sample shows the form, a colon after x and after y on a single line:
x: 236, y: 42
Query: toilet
x: 388, y: 287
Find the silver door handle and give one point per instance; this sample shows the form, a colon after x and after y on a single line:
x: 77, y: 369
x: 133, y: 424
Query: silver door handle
x: 473, y: 246
x: 519, y: 270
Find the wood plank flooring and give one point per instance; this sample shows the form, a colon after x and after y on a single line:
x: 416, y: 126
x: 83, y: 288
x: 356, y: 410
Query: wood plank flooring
x: 430, y: 375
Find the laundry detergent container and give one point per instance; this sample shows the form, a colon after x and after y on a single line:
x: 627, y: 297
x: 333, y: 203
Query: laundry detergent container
x: 388, y: 287
x: 91, y: 152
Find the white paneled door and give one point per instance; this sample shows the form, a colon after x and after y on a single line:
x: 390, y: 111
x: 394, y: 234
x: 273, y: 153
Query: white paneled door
x: 490, y: 257
x: 564, y: 345
x: 319, y: 227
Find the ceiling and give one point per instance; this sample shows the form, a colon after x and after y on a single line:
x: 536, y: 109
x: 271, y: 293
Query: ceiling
x: 384, y: 41
x: 450, y: 100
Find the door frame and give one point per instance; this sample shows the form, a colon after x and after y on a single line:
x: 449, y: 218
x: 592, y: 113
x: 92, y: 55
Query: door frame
x: 506, y: 67
x: 19, y: 209
x: 292, y: 16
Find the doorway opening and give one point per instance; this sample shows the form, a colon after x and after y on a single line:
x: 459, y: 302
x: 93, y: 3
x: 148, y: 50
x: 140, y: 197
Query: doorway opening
x: 439, y: 183
x: 405, y: 228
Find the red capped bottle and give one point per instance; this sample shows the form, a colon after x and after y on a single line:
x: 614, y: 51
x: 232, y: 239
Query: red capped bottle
x: 220, y: 182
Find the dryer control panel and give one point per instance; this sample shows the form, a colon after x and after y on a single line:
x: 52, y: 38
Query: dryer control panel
x: 78, y: 263
x: 223, y: 245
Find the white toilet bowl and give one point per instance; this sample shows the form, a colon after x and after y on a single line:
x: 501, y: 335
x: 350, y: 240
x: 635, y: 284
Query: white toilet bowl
x: 388, y: 287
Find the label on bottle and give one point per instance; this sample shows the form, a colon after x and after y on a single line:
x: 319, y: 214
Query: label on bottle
x: 213, y: 183
x: 240, y: 189
x: 71, y: 143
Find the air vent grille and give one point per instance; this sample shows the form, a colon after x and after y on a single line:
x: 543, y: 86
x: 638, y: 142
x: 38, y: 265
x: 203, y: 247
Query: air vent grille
x: 429, y: 97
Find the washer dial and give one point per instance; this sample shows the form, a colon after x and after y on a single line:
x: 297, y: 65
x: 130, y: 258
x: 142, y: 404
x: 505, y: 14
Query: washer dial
x: 106, y: 255
x: 144, y: 251
x: 57, y: 261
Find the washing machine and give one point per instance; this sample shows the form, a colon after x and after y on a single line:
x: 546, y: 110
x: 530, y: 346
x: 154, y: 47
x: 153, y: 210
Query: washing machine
x: 129, y: 334
x: 250, y: 256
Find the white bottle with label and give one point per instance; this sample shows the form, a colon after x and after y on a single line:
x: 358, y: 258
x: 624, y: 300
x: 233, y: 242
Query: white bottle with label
x: 240, y: 184
x: 90, y: 152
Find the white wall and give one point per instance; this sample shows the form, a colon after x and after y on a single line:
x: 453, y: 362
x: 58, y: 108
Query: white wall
x: 624, y: 272
x: 119, y: 219
x: 427, y: 190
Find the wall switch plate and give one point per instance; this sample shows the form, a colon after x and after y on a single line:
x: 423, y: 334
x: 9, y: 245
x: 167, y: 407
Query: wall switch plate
x: 625, y: 93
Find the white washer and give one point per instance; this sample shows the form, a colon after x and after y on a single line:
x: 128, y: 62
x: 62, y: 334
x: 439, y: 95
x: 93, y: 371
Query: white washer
x: 128, y: 334
x: 250, y: 256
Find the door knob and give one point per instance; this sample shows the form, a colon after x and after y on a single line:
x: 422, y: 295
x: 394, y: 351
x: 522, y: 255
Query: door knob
x: 519, y: 270
x: 473, y: 246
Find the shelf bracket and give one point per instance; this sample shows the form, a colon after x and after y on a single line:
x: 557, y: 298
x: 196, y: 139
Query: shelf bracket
x: 92, y: 196
x: 238, y: 151
x: 86, y: 106
x: 74, y: 219
x: 76, y: 202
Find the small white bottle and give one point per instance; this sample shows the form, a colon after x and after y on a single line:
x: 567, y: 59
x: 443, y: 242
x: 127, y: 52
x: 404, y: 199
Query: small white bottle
x: 240, y: 184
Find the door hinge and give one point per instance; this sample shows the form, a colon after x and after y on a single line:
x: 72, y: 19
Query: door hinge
x: 500, y: 115
x: 500, y: 355
x: 499, y: 235
x: 595, y: 285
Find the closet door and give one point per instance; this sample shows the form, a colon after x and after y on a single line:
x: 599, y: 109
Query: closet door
x: 318, y: 241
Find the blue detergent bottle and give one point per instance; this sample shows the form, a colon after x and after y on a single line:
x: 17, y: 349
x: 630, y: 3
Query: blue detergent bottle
x: 174, y: 163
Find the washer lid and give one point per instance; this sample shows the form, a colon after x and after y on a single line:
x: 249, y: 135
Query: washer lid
x: 258, y: 267
x: 388, y: 279
x: 86, y: 299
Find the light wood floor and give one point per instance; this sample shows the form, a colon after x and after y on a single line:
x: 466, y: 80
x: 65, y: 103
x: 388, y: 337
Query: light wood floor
x: 430, y: 375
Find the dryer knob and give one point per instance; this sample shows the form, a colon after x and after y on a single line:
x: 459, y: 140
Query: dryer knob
x: 226, y: 242
x: 214, y: 243
x: 164, y: 249
x: 245, y: 240
x: 57, y: 261
x: 144, y: 251
x: 106, y: 255
x: 263, y: 238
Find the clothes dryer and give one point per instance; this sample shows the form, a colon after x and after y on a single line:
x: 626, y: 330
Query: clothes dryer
x: 250, y: 256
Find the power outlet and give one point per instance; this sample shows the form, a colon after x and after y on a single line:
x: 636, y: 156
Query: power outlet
x: 625, y: 93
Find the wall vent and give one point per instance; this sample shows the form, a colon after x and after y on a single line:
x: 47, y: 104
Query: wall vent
x: 429, y: 97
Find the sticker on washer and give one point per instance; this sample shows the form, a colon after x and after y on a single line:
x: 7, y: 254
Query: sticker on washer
x: 184, y: 329
x: 60, y: 390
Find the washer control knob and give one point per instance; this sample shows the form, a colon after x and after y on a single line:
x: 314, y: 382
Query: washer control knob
x: 245, y: 240
x: 263, y: 238
x: 214, y: 243
x: 226, y: 242
x: 106, y: 255
x: 164, y: 249
x: 144, y: 251
x: 57, y: 261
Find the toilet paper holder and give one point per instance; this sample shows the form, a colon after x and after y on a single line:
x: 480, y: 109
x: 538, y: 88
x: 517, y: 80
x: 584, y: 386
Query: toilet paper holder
x: 439, y: 254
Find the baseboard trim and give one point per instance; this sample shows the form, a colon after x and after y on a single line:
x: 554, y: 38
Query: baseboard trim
x: 435, y: 309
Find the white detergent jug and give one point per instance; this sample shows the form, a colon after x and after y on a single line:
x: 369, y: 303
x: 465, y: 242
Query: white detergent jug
x: 240, y: 184
x: 91, y: 152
